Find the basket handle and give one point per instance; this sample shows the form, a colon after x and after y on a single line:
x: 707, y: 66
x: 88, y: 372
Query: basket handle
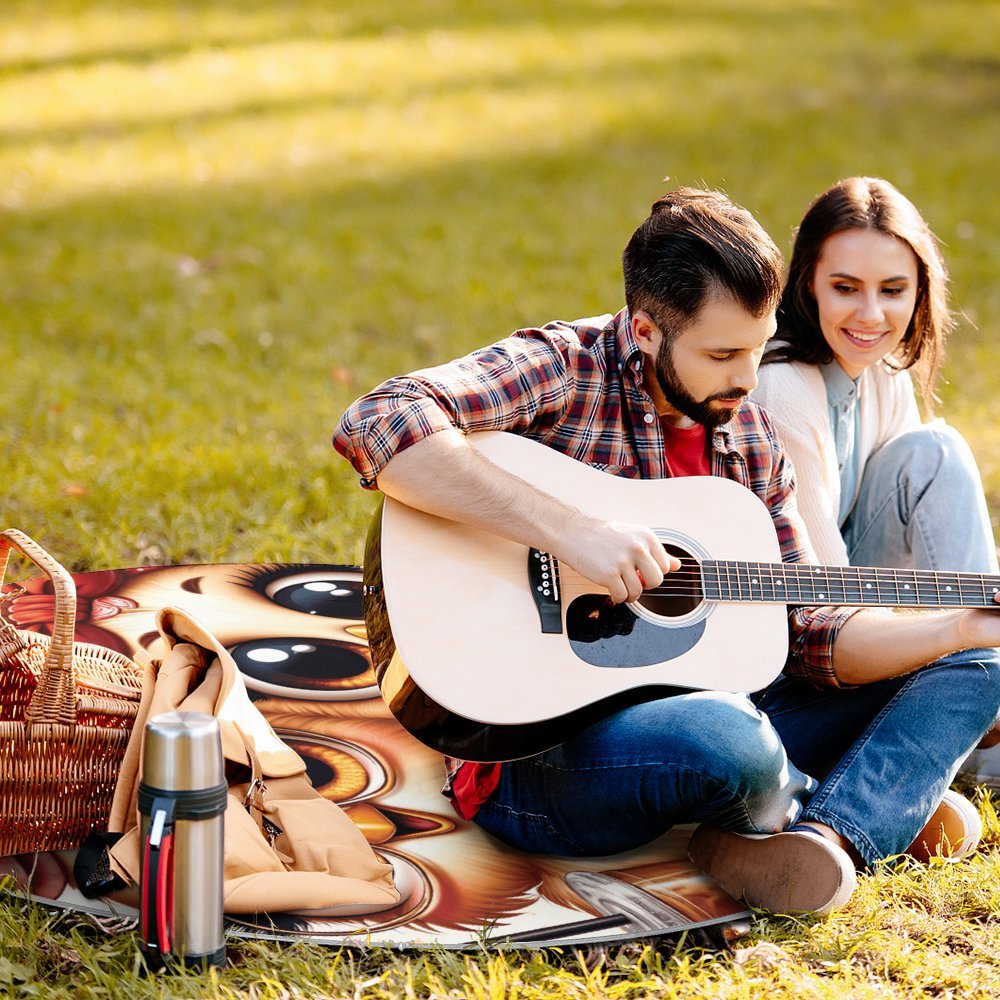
x: 54, y: 700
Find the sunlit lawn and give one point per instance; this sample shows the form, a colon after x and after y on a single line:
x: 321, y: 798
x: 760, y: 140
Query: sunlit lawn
x: 222, y: 221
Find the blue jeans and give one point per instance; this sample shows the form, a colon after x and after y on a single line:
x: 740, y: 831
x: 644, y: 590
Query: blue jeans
x: 697, y: 756
x: 884, y: 754
x: 921, y: 506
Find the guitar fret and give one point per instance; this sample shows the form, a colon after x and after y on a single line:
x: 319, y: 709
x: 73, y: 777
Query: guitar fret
x: 775, y: 594
x: 714, y: 581
x: 907, y: 587
x: 968, y: 588
x: 991, y: 587
x: 789, y: 579
x: 778, y: 588
x: 949, y: 589
x: 851, y: 584
x: 867, y: 586
x: 807, y: 584
x: 707, y: 568
x: 767, y: 583
x: 800, y: 596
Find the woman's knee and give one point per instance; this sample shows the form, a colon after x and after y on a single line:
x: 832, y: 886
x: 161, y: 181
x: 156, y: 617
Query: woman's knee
x: 923, y: 454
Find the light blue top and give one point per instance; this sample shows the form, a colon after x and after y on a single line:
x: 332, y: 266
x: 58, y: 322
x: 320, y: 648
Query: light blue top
x: 842, y: 402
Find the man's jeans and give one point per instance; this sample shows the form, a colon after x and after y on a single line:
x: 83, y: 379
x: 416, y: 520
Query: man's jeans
x: 884, y: 754
x: 696, y: 756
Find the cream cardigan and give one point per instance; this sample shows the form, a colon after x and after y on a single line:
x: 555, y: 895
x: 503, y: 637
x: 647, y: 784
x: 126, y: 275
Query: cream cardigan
x: 794, y: 395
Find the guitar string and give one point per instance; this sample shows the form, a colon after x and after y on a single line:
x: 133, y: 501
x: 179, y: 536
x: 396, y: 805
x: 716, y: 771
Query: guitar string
x: 688, y: 581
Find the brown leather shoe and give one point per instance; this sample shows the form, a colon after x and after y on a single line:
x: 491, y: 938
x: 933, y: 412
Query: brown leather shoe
x: 953, y: 832
x: 788, y: 872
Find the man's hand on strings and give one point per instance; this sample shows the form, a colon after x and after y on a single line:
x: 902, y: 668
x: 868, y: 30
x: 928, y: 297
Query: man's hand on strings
x: 624, y: 558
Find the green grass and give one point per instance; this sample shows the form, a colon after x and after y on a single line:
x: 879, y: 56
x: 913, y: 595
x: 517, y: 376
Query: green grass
x: 910, y: 932
x: 221, y: 221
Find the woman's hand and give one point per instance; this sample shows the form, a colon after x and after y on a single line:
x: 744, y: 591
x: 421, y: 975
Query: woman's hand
x: 980, y: 627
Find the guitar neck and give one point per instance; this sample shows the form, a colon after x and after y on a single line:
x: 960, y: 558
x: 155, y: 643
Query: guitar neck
x: 801, y: 583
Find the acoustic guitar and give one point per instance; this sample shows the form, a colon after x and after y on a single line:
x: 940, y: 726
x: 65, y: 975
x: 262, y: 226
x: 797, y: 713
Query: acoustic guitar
x: 489, y: 650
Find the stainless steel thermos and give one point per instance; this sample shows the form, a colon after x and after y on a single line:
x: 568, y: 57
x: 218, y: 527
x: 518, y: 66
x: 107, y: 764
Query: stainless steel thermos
x: 182, y: 801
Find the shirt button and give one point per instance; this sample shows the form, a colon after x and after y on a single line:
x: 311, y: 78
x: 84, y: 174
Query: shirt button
x: 648, y: 418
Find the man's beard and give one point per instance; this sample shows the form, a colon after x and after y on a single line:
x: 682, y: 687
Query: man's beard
x: 680, y: 399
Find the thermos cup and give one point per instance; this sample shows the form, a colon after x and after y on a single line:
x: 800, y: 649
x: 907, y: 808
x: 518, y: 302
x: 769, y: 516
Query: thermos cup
x: 182, y: 801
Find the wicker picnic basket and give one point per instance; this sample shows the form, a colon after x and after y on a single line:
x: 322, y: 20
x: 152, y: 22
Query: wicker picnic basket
x: 66, y: 711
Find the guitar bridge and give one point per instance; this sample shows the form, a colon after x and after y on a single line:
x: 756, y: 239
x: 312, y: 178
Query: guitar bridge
x: 543, y: 578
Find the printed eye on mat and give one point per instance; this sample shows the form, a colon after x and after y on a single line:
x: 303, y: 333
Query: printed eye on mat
x: 298, y: 637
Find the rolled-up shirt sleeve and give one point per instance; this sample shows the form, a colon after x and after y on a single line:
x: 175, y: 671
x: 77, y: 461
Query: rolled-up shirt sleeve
x: 811, y: 631
x: 515, y: 384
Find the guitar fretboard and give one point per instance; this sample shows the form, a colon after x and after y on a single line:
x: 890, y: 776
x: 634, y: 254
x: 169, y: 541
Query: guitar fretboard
x: 792, y: 583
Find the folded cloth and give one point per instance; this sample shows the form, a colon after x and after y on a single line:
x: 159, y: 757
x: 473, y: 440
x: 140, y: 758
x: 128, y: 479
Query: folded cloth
x: 287, y: 849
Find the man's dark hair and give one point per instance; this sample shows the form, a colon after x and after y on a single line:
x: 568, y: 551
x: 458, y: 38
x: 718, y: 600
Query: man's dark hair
x: 694, y: 244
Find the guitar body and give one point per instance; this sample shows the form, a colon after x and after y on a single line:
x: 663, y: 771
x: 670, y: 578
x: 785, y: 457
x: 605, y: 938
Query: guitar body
x: 458, y: 636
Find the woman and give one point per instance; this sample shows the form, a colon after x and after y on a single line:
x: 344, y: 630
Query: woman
x: 865, y: 304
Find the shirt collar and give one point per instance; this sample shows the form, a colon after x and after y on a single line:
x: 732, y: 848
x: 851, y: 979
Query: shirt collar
x: 630, y: 357
x: 840, y: 387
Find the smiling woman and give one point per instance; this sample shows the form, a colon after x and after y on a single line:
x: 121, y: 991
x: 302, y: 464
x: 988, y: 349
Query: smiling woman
x: 864, y: 304
x: 865, y: 286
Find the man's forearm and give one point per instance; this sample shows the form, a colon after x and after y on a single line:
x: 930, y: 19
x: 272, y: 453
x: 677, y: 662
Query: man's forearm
x: 444, y: 475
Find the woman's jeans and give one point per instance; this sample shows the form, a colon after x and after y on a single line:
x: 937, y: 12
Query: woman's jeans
x: 921, y: 506
x: 872, y: 761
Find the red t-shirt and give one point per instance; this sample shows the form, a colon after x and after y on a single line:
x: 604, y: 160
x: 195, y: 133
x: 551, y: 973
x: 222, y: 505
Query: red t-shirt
x: 686, y: 450
x: 686, y: 455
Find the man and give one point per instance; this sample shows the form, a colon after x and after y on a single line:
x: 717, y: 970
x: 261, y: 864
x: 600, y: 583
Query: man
x: 853, y: 748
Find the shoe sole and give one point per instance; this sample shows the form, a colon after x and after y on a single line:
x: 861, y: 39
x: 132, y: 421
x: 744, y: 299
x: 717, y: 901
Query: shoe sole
x: 781, y: 872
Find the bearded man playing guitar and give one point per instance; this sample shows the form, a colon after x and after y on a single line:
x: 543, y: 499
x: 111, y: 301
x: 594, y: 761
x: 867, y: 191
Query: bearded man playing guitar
x: 837, y: 764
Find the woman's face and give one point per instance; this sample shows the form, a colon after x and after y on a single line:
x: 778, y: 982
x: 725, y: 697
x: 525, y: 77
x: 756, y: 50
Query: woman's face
x: 865, y: 285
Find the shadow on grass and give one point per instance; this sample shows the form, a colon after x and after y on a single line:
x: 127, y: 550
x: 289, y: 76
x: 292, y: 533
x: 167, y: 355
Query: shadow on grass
x: 249, y: 23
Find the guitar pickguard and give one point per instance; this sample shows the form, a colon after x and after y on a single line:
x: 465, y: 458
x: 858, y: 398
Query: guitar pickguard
x: 613, y: 635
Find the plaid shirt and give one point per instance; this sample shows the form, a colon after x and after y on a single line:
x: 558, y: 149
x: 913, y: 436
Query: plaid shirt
x: 577, y: 387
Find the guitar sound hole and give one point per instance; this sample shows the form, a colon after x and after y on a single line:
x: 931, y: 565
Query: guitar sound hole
x: 680, y: 593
